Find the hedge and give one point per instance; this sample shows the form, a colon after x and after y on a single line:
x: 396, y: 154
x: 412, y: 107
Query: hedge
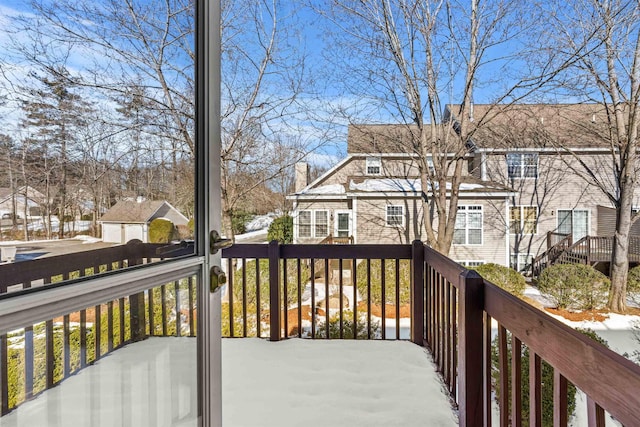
x: 504, y: 277
x: 575, y: 286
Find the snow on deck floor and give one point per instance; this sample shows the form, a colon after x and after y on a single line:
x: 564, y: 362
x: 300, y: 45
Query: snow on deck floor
x: 288, y: 383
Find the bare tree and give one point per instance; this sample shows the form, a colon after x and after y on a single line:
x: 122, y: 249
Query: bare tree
x: 607, y: 74
x: 404, y: 56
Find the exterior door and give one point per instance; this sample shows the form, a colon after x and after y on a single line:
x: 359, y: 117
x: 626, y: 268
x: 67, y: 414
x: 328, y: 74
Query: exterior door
x: 342, y: 226
x: 574, y: 222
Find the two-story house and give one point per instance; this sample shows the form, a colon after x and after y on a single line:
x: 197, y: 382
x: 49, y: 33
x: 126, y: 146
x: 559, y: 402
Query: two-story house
x: 524, y: 177
x: 374, y: 195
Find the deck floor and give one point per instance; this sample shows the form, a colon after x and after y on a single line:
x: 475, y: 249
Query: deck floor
x: 289, y: 383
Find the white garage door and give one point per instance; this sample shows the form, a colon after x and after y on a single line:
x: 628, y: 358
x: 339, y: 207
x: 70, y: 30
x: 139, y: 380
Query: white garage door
x: 133, y: 231
x: 111, y: 233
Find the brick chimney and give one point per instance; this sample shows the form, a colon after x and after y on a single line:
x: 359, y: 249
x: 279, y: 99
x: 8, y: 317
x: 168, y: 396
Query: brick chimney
x: 302, y: 176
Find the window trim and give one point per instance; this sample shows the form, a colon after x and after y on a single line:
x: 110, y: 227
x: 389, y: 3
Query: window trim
x: 521, y: 208
x: 402, y: 216
x: 518, y: 255
x: 373, y: 162
x: 521, y: 164
x: 465, y: 262
x: 466, y: 237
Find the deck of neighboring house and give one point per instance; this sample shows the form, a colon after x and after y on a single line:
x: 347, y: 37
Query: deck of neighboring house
x: 596, y: 251
x: 465, y: 340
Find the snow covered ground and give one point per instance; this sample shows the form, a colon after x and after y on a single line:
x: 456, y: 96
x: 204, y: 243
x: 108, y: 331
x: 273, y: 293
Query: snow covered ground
x: 288, y: 383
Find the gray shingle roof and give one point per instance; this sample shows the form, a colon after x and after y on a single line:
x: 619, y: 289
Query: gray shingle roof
x: 132, y: 211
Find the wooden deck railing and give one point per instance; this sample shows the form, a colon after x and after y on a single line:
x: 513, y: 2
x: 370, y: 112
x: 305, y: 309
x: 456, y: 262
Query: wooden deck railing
x: 76, y: 340
x: 475, y: 331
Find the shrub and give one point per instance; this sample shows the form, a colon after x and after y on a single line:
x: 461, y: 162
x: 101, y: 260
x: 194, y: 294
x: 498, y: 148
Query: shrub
x: 191, y: 225
x: 161, y: 231
x: 404, y: 272
x: 347, y: 327
x: 506, y: 278
x: 281, y: 229
x: 239, y: 219
x: 633, y: 284
x: 575, y: 286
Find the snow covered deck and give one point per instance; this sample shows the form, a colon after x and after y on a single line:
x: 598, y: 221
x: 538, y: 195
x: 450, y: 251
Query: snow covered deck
x: 288, y: 383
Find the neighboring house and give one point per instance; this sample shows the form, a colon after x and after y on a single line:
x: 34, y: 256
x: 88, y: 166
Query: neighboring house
x: 14, y: 202
x: 374, y: 196
x: 127, y: 220
x: 519, y: 184
x: 537, y: 149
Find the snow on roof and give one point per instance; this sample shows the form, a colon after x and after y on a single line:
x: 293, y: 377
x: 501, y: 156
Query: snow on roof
x: 325, y: 189
x: 406, y: 185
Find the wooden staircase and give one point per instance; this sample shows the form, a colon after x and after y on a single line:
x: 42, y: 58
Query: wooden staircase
x: 589, y: 250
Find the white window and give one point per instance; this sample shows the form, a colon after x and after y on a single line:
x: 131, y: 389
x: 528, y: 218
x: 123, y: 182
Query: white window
x: 321, y: 223
x: 313, y: 223
x: 374, y: 166
x: 522, y: 165
x: 342, y: 223
x: 523, y: 220
x: 304, y: 224
x: 468, y: 227
x: 395, y: 216
x: 521, y: 262
x: 470, y: 263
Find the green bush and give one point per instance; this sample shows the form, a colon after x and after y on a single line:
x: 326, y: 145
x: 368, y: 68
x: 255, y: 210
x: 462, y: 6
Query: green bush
x: 506, y: 278
x: 633, y: 284
x: 347, y: 327
x: 547, y: 380
x: 575, y: 286
x: 404, y: 272
x: 161, y: 231
x: 192, y: 225
x: 281, y: 229
x: 239, y: 219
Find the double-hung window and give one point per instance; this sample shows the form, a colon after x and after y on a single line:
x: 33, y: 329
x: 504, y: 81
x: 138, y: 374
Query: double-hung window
x: 373, y: 165
x: 522, y: 165
x: 313, y: 223
x: 523, y: 220
x: 395, y: 216
x: 468, y: 227
x: 521, y: 262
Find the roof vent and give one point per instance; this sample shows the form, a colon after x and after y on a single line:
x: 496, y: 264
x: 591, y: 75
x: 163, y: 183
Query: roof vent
x: 593, y: 118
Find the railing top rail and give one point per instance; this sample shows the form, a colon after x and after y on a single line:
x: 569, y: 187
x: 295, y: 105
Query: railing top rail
x: 26, y: 271
x: 297, y: 251
x: 618, y: 380
x: 448, y: 268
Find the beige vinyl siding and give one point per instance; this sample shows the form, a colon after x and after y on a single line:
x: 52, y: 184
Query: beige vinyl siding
x: 372, y: 226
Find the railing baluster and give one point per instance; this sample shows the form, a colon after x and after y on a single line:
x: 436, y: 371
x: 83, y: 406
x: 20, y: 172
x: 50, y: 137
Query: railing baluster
x: 535, y: 390
x: 299, y: 277
x: 383, y: 298
x: 66, y: 346
x: 176, y: 289
x: 397, y: 299
x: 49, y: 353
x: 97, y: 328
x: 453, y: 366
x: 340, y: 294
x: 313, y: 297
x: 152, y: 317
x: 121, y: 320
x: 326, y: 297
x: 285, y: 279
x: 595, y: 414
x: 274, y: 290
x: 28, y: 361
x: 368, y: 298
x: 163, y: 306
x: 487, y: 369
x: 244, y: 296
x: 109, y: 326
x: 4, y: 375
x: 354, y: 283
x: 230, y: 273
x: 192, y: 330
x: 560, y: 404
x: 503, y: 367
x: 258, y: 308
x: 446, y: 360
x: 516, y: 381
x: 83, y: 338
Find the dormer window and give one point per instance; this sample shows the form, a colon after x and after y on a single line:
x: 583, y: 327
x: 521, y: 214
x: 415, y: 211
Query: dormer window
x: 373, y: 166
x: 522, y: 165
